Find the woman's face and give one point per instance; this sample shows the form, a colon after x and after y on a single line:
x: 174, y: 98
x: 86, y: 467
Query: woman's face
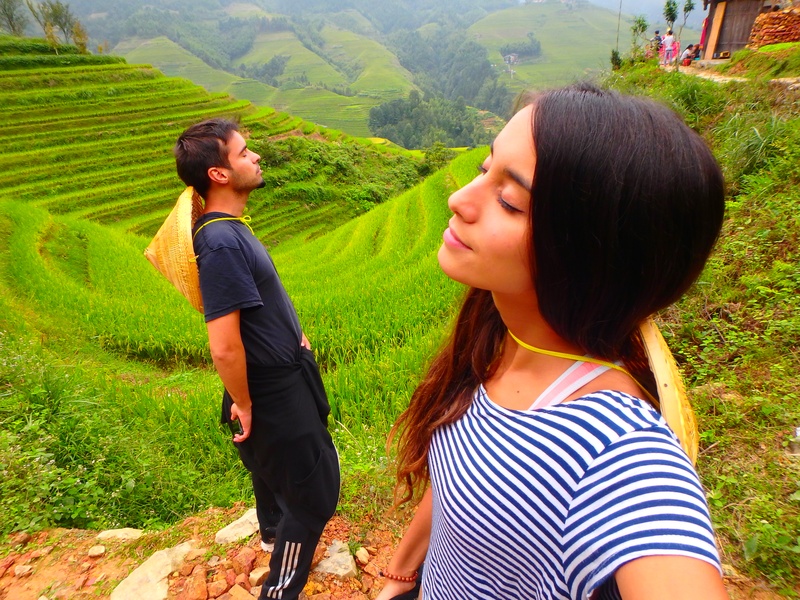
x: 486, y: 245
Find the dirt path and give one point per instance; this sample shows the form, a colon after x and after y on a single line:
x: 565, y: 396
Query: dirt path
x: 62, y: 569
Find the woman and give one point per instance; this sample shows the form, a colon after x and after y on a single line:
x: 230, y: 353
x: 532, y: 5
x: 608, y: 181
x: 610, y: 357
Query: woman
x: 552, y: 476
x: 669, y: 48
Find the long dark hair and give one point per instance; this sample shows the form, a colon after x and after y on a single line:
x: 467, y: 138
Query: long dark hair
x: 627, y: 203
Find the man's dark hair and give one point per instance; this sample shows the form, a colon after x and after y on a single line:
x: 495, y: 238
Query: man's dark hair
x: 200, y: 147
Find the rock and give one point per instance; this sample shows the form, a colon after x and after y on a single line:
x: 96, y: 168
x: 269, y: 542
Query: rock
x: 320, y: 552
x: 81, y: 581
x: 96, y: 551
x: 372, y: 569
x: 126, y: 534
x: 217, y: 588
x: 20, y: 538
x: 39, y: 553
x: 362, y: 555
x: 244, y: 560
x: 93, y: 580
x: 6, y: 563
x: 214, y: 561
x: 258, y: 576
x: 240, y: 529
x: 340, y: 562
x: 195, y: 588
x: 230, y: 577
x: 239, y: 593
x: 186, y: 569
x: 150, y: 579
x: 195, y: 554
x: 244, y: 581
x: 730, y: 571
x: 23, y: 571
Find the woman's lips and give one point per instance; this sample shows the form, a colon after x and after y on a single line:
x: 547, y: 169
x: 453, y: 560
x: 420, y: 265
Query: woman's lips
x: 451, y: 239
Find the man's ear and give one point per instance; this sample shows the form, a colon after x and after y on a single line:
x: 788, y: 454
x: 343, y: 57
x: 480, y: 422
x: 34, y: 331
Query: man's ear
x: 218, y: 175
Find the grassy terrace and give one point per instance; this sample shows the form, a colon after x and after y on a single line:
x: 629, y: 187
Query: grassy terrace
x: 104, y: 131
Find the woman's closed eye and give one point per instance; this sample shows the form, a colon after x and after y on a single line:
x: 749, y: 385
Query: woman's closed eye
x: 482, y: 170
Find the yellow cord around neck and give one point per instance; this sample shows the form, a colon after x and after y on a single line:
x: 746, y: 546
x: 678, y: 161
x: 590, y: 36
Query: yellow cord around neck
x: 588, y: 359
x: 245, y: 220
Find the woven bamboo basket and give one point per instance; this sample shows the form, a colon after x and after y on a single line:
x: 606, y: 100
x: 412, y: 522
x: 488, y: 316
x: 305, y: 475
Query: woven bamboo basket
x: 675, y: 406
x: 171, y: 251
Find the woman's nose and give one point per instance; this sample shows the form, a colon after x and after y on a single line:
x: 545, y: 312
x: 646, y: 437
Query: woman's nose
x: 463, y: 202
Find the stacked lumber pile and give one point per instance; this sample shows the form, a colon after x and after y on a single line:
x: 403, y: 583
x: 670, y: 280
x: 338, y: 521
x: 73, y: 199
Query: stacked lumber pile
x: 775, y: 28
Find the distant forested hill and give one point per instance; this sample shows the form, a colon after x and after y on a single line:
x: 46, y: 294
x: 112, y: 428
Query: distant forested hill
x: 334, y: 61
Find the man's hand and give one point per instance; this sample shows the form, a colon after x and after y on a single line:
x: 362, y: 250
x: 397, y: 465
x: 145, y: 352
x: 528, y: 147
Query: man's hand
x: 305, y: 343
x: 245, y: 417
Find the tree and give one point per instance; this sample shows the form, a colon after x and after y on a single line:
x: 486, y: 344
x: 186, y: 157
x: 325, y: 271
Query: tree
x: 54, y: 13
x: 51, y: 37
x: 12, y: 17
x: 79, y: 37
x: 688, y: 6
x: 671, y: 12
x: 638, y: 29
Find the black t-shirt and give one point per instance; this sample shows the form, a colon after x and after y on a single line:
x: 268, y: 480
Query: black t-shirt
x: 237, y: 273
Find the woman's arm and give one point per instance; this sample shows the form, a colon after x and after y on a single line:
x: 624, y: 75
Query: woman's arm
x: 670, y: 577
x: 411, y: 550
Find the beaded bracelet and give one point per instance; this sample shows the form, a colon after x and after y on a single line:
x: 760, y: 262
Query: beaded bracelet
x: 404, y: 578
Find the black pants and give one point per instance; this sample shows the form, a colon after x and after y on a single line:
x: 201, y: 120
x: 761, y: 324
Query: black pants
x: 294, y: 465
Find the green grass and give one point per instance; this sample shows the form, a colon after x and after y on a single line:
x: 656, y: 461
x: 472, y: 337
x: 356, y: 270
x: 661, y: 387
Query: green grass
x: 777, y: 60
x: 174, y: 61
x: 321, y: 106
x: 736, y: 334
x: 379, y: 73
x: 302, y: 61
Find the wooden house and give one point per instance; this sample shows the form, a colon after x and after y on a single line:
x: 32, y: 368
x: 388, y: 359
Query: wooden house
x: 729, y: 23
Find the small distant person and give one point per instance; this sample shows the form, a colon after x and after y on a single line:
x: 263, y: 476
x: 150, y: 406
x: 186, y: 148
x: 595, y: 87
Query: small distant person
x: 697, y: 50
x: 688, y: 55
x: 273, y: 388
x: 669, y: 50
x: 656, y: 41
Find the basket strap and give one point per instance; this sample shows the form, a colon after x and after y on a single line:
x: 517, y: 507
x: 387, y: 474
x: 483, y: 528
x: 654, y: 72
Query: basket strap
x: 588, y: 359
x: 245, y: 220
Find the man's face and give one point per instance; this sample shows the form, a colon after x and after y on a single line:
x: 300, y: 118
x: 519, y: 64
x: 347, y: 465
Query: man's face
x: 245, y: 174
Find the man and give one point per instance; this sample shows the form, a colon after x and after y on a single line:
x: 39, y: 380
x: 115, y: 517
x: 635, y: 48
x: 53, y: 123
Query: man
x: 273, y: 389
x: 656, y: 41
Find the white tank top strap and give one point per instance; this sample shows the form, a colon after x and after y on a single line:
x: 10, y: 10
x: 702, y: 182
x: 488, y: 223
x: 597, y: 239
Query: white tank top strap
x: 570, y: 381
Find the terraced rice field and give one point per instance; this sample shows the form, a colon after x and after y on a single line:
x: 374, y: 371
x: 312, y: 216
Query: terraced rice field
x: 94, y: 140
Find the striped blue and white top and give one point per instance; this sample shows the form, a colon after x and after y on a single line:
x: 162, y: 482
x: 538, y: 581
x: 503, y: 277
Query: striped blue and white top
x: 549, y: 503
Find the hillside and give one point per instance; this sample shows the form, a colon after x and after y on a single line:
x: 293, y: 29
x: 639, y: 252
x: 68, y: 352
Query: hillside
x: 108, y: 408
x: 107, y: 132
x: 339, y: 64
